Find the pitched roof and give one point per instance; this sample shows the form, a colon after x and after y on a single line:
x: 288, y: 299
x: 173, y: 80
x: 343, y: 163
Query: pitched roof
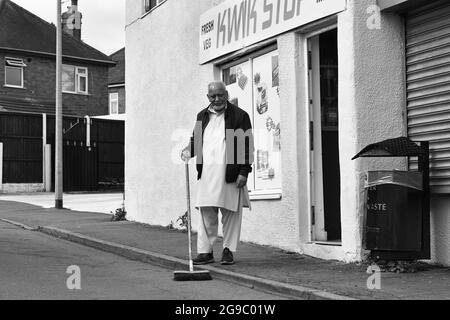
x: 116, y: 74
x: 24, y: 31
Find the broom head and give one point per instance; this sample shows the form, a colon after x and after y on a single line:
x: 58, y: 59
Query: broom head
x: 191, y: 275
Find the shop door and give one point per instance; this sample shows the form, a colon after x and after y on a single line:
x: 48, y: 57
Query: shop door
x: 324, y: 130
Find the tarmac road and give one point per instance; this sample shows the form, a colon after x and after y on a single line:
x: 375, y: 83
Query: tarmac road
x: 34, y: 266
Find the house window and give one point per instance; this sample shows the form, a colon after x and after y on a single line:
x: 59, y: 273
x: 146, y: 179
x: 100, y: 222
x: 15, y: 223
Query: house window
x: 74, y: 79
x: 14, y: 72
x: 114, y: 103
x: 150, y: 4
x: 253, y: 85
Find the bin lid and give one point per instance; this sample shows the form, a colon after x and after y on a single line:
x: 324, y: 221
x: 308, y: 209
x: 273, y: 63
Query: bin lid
x: 409, y: 179
x: 397, y: 147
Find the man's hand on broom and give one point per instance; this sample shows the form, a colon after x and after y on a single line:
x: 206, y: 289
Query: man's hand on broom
x: 241, y: 181
x: 185, y: 155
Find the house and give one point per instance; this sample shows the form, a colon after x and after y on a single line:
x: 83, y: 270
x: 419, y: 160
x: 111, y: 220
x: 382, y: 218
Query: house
x: 116, y: 83
x: 27, y: 105
x: 28, y: 69
x: 321, y: 80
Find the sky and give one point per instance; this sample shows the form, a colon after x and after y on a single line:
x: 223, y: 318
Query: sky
x: 103, y: 22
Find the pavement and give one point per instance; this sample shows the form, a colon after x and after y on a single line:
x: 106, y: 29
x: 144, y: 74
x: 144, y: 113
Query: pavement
x: 262, y: 268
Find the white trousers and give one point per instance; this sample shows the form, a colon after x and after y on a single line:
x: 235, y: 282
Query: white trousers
x: 209, y: 225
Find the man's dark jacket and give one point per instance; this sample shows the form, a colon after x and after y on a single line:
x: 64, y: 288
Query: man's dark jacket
x: 235, y: 119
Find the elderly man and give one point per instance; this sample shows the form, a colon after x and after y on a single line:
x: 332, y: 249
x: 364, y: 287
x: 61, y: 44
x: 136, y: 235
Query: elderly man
x: 223, y: 144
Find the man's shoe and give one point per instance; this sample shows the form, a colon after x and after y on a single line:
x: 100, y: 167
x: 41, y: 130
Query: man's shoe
x: 227, y: 257
x: 203, y: 258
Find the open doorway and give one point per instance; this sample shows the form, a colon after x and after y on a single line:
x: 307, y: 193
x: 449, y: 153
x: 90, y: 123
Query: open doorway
x: 325, y: 169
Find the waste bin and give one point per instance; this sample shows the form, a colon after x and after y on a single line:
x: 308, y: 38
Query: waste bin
x: 397, y: 215
x: 393, y: 210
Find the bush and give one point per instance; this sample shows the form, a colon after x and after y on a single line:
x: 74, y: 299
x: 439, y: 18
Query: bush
x: 119, y: 215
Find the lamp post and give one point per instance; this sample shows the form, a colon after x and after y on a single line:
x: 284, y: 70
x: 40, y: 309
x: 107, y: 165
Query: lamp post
x: 58, y: 116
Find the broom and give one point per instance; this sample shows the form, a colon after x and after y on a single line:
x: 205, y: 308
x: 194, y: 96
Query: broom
x: 190, y: 275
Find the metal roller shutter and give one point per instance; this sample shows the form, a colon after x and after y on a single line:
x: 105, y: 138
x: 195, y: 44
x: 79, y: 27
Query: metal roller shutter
x: 428, y: 86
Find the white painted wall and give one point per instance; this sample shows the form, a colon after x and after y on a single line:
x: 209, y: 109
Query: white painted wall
x: 22, y: 188
x: 165, y: 89
x: 371, y: 107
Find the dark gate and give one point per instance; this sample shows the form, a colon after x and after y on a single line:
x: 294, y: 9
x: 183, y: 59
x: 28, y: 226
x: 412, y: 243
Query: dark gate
x: 80, y: 167
x: 97, y: 167
x: 110, y: 143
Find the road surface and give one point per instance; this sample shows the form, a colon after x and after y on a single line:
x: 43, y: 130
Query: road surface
x: 37, y: 266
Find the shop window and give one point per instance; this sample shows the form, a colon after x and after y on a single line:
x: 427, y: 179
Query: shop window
x: 114, y: 103
x: 253, y: 85
x: 14, y: 72
x: 74, y: 79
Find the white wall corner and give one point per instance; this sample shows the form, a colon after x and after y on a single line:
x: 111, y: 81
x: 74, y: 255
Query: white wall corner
x: 292, y: 89
x: 357, y: 253
x: 371, y: 100
x: 348, y: 134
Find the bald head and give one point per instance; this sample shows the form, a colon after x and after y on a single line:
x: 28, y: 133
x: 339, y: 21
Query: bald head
x: 217, y: 85
x: 217, y: 95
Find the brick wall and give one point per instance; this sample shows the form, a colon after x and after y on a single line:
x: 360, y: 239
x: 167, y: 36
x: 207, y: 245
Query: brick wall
x: 39, y: 84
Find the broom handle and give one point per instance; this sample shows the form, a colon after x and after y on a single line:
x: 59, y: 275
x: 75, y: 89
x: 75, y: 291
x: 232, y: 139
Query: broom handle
x: 188, y: 198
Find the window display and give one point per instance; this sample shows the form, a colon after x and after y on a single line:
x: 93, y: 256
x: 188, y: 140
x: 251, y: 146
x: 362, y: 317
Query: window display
x: 254, y: 87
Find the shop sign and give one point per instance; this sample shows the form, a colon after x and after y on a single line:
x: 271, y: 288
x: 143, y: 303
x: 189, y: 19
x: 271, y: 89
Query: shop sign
x: 236, y: 24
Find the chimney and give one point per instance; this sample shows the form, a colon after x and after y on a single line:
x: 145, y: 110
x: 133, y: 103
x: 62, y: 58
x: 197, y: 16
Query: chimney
x: 2, y: 3
x: 71, y: 20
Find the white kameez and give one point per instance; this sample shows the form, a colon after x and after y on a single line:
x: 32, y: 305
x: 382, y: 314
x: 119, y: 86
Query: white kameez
x: 212, y: 190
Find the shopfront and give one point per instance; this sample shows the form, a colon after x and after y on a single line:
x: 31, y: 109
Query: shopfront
x: 318, y: 83
x: 248, y: 32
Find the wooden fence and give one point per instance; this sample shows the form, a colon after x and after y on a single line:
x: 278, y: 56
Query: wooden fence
x: 21, y: 135
x: 99, y: 166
